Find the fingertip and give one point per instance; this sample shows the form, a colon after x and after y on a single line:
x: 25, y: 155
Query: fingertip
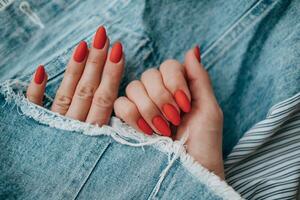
x: 39, y: 75
x: 100, y: 38
x: 193, y: 67
x: 36, y: 89
x: 144, y: 126
x: 197, y: 53
x: 116, y: 53
x: 81, y: 52
x: 182, y: 101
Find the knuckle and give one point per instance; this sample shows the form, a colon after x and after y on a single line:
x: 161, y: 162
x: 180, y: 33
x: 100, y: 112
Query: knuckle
x: 73, y: 73
x: 85, y: 91
x: 170, y: 63
x: 62, y: 101
x: 128, y: 111
x: 150, y: 73
x: 103, y: 100
x: 33, y: 98
x: 119, y: 103
x: 215, y: 113
x: 93, y: 59
x: 146, y: 108
x: 160, y: 95
x: 133, y: 85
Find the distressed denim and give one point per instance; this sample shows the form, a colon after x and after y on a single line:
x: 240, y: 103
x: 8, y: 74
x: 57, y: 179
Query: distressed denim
x: 250, y: 49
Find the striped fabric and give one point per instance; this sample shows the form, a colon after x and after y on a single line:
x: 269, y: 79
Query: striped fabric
x: 266, y: 162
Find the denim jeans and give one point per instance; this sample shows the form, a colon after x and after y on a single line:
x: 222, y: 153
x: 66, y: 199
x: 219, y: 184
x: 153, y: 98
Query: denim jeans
x: 250, y: 50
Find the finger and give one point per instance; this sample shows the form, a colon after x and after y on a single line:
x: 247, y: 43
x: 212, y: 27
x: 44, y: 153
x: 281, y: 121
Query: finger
x: 173, y: 75
x: 162, y: 98
x: 107, y: 92
x: 90, y: 78
x: 75, y: 67
x: 136, y: 92
x: 128, y: 112
x: 36, y: 89
x: 198, y: 78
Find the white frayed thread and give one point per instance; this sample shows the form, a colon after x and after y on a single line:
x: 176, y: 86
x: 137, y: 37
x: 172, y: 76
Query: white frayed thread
x: 176, y: 154
x: 123, y: 134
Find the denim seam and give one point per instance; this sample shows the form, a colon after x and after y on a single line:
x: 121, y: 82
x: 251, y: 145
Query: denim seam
x: 77, y: 183
x: 121, y: 133
x: 235, y: 31
x: 93, y: 168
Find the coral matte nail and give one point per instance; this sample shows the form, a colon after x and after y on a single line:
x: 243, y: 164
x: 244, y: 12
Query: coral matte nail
x: 182, y: 101
x: 142, y: 124
x: 80, y: 52
x: 116, y: 52
x: 100, y: 38
x: 161, y: 125
x: 171, y: 114
x: 197, y: 53
x: 39, y: 75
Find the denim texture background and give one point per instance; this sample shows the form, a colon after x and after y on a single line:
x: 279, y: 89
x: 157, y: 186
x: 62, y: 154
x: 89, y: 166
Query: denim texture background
x: 250, y: 49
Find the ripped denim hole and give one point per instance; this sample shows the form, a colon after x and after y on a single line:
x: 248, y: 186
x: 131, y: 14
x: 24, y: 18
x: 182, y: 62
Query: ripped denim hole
x: 121, y: 133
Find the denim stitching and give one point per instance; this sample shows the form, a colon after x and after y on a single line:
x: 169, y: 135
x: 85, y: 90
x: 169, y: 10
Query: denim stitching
x: 234, y: 33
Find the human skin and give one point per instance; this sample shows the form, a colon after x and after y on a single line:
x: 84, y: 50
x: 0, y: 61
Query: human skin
x: 81, y: 96
x: 203, y: 121
x: 173, y: 100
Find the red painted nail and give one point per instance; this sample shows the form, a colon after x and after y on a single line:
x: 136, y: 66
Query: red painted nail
x: 197, y: 53
x: 116, y: 52
x: 182, y: 101
x: 80, y: 52
x: 100, y: 38
x: 161, y: 125
x: 142, y: 124
x: 39, y: 75
x: 171, y: 114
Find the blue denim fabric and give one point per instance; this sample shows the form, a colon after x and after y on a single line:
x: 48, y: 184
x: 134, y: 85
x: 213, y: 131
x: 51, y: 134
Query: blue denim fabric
x: 47, y: 156
x: 250, y: 49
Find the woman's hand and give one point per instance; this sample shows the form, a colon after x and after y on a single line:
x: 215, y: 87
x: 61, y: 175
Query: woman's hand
x: 90, y: 84
x: 156, y: 101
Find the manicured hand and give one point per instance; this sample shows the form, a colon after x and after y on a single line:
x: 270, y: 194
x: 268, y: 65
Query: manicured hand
x: 181, y: 96
x: 90, y: 84
x: 156, y: 101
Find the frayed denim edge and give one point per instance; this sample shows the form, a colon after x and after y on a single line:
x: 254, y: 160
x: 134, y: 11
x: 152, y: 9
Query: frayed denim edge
x: 123, y: 134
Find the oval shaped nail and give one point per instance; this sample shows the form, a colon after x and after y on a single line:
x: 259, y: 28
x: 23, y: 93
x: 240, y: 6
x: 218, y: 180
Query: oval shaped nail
x: 171, y: 114
x: 161, y: 125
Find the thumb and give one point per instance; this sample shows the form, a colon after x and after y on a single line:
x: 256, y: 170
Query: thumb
x: 197, y: 77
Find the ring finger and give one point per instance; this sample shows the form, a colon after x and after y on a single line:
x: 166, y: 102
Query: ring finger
x: 128, y: 112
x: 162, y: 98
x: 137, y: 93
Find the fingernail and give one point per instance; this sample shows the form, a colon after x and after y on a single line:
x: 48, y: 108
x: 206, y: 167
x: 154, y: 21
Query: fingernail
x: 81, y: 52
x: 182, y: 101
x: 197, y: 53
x: 171, y: 114
x: 142, y: 124
x: 100, y: 38
x: 161, y: 125
x: 39, y: 75
x: 116, y: 52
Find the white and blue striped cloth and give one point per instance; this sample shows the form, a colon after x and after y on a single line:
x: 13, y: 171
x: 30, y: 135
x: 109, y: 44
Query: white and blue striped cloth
x: 265, y: 164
